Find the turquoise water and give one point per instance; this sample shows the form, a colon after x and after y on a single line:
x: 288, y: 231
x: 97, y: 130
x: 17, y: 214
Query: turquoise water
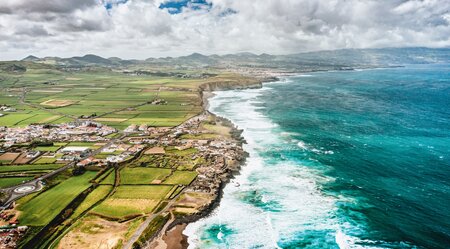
x: 354, y: 159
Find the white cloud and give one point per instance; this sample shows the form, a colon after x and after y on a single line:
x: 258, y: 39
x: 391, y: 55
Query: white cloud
x: 139, y: 29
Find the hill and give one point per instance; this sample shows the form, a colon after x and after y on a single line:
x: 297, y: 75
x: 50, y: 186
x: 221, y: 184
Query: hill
x: 30, y: 58
x: 319, y: 60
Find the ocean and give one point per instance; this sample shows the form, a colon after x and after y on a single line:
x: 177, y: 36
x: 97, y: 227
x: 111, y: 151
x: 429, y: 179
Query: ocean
x: 345, y: 159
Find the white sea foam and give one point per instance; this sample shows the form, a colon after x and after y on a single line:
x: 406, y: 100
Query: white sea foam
x: 220, y: 235
x: 302, y: 145
x: 290, y: 201
x: 345, y: 241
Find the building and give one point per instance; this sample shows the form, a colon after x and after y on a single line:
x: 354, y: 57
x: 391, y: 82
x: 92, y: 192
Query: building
x: 131, y: 128
x: 87, y: 161
x: 74, y: 149
x: 33, y: 154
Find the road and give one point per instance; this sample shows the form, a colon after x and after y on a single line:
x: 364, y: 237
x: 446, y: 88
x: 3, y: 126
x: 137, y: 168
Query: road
x: 149, y: 219
x: 35, y: 185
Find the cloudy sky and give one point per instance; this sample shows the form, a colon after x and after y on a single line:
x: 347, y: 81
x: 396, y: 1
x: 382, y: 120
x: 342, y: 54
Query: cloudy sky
x: 153, y: 28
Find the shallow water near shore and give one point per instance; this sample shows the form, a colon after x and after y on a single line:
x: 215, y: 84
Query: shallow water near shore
x: 338, y: 160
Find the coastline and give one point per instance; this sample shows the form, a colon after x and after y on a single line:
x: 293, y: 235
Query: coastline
x: 178, y: 240
x: 178, y: 225
x: 341, y: 235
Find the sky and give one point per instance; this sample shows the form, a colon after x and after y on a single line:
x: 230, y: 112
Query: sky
x: 157, y: 28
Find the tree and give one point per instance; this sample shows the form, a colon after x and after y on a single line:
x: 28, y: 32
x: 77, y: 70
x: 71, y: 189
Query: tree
x: 78, y: 170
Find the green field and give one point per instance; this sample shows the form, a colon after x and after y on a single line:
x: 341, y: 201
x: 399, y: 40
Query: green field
x: 43, y: 160
x: 109, y: 179
x: 29, y: 167
x: 123, y: 208
x: 141, y: 192
x: 84, y: 144
x: 181, y: 177
x: 132, y: 200
x: 174, y: 159
x: 12, y: 181
x: 91, y: 94
x: 96, y: 195
x: 48, y: 148
x: 186, y: 152
x: 44, y: 207
x: 140, y: 175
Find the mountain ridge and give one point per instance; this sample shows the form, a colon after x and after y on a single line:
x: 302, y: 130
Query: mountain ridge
x: 340, y: 58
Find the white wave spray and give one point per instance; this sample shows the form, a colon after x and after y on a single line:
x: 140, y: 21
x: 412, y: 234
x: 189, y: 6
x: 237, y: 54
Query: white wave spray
x: 274, y: 202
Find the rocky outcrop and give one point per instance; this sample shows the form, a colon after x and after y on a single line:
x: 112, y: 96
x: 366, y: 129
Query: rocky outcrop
x: 230, y: 85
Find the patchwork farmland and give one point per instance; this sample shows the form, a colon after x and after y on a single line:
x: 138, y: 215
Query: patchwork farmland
x: 101, y: 155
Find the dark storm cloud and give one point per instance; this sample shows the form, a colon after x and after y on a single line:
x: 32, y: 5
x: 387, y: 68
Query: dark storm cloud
x: 32, y: 31
x: 45, y: 6
x: 80, y: 25
x: 5, y: 10
x: 40, y: 18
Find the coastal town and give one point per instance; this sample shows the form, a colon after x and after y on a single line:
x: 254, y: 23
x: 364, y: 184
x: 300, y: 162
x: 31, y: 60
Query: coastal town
x: 86, y: 131
x: 87, y: 144
x: 96, y: 157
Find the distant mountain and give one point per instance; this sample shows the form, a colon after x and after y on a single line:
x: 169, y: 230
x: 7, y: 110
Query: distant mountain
x: 194, y: 56
x: 30, y: 58
x: 381, y: 56
x: 197, y: 58
x: 320, y: 60
x: 82, y: 61
x: 115, y: 59
x: 92, y: 59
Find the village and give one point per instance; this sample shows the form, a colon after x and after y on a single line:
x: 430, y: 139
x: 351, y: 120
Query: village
x: 10, y: 234
x: 97, y: 136
x: 88, y: 144
x: 87, y: 131
x: 224, y: 155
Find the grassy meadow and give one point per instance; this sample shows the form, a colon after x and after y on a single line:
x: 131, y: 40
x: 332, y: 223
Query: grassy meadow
x: 11, y: 181
x: 130, y: 201
x: 181, y: 177
x: 28, y: 167
x: 96, y: 195
x: 44, y: 207
x: 140, y: 175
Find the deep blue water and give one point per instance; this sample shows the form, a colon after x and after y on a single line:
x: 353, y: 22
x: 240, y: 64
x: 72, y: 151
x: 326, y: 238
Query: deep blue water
x: 356, y: 159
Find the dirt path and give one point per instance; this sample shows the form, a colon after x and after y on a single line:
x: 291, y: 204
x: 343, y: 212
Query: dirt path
x: 144, y: 225
x: 170, y: 239
x: 158, y: 242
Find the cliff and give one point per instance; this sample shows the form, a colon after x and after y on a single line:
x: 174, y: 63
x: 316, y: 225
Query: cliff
x: 231, y: 85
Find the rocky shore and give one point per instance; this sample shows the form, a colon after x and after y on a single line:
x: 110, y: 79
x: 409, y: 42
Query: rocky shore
x: 172, y: 237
